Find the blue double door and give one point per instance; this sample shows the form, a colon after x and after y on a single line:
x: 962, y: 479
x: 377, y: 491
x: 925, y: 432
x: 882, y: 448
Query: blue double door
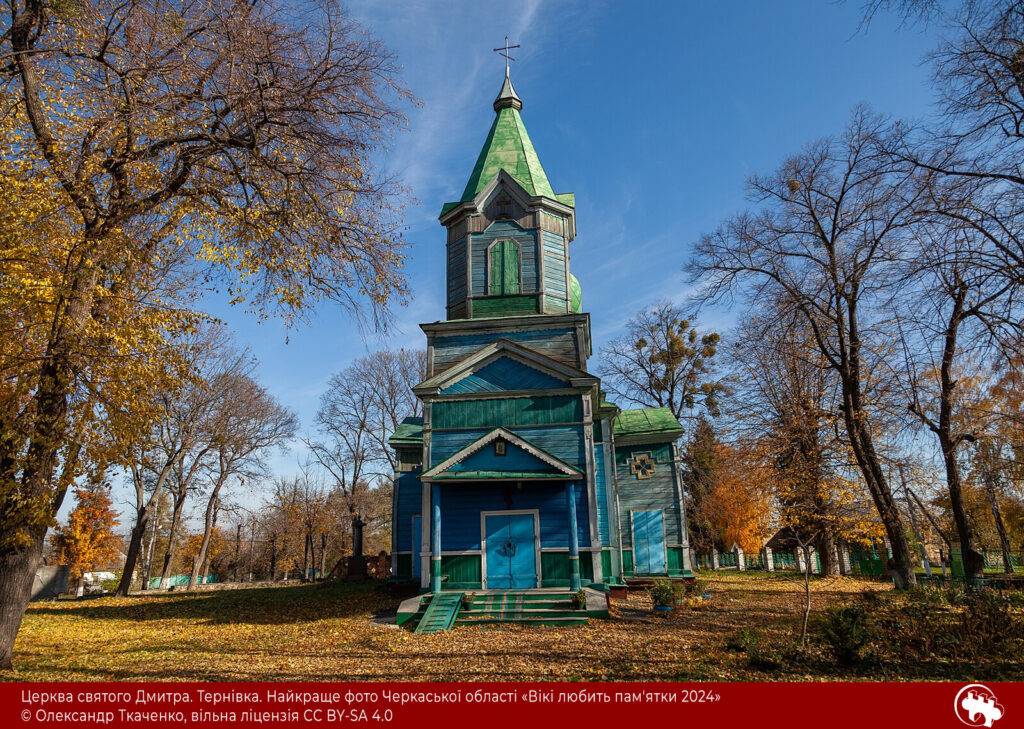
x: 649, y: 543
x: 511, y: 551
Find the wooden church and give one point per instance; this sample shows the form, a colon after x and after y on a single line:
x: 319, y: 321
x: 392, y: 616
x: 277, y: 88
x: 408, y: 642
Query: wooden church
x: 520, y: 475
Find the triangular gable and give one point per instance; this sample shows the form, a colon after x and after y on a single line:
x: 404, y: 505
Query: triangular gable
x: 522, y: 460
x: 502, y: 374
x: 478, y: 360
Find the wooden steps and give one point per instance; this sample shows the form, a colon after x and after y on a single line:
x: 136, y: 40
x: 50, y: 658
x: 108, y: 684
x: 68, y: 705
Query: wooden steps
x: 493, y: 608
x: 440, y: 613
x: 523, y: 608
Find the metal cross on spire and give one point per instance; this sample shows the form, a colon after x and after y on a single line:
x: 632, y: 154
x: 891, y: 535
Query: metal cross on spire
x: 503, y: 51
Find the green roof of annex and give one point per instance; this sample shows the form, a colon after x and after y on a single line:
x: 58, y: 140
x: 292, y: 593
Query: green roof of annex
x: 508, y: 147
x: 647, y: 421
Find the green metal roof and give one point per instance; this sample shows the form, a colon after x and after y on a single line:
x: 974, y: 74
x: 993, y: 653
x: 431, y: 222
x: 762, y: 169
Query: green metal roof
x: 508, y: 147
x: 647, y: 421
x: 409, y: 433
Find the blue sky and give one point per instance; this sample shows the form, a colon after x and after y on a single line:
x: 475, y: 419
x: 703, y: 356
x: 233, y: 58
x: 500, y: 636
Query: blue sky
x: 653, y: 113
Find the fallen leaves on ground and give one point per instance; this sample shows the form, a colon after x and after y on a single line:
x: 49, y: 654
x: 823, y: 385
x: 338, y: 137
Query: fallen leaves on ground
x: 328, y: 633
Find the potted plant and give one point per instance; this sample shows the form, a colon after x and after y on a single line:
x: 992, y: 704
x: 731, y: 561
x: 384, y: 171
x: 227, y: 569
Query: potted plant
x: 663, y: 593
x: 467, y: 600
x: 579, y: 600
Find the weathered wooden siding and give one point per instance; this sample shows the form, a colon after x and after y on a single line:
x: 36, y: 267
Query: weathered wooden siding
x: 564, y: 442
x: 559, y: 344
x: 461, y: 505
x: 457, y: 272
x: 409, y: 499
x: 555, y: 272
x: 601, y: 486
x: 534, y: 410
x: 656, y: 492
x: 504, y: 229
x: 504, y: 374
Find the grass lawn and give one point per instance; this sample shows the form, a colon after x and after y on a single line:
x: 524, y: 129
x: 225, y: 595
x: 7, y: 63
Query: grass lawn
x: 317, y: 633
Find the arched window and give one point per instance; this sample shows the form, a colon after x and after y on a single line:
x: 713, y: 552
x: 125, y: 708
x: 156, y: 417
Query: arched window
x: 504, y: 268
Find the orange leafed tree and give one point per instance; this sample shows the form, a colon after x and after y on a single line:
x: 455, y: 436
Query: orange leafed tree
x: 88, y: 541
x: 737, y: 504
x: 151, y: 152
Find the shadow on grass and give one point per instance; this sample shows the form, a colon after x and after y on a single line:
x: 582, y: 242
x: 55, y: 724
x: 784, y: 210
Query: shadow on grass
x: 255, y: 605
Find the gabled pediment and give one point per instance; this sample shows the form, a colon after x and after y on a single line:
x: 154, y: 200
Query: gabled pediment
x: 482, y: 371
x: 521, y: 460
x: 502, y: 374
x: 521, y: 201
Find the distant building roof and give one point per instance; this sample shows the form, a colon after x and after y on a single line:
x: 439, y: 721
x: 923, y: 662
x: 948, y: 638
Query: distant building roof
x: 409, y: 433
x: 647, y: 421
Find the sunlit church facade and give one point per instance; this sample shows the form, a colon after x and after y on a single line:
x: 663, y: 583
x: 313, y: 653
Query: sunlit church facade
x: 520, y: 475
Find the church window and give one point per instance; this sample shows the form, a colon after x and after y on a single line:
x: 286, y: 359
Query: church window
x: 504, y: 268
x: 499, y: 448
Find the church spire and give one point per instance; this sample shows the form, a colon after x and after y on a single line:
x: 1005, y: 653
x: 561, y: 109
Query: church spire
x: 508, y: 147
x: 507, y: 97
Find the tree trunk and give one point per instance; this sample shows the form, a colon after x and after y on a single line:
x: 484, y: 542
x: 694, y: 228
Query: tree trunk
x: 867, y: 461
x: 323, y: 556
x: 974, y: 563
x: 306, y: 544
x: 826, y: 548
x: 211, y: 517
x: 1004, y: 541
x: 141, y: 518
x: 17, y: 570
x: 913, y: 523
x: 134, y: 547
x: 238, y: 548
x: 807, y: 594
x: 165, y: 573
x: 148, y: 558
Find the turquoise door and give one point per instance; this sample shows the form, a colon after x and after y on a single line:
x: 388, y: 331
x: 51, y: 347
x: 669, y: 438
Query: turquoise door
x: 649, y: 543
x: 417, y: 534
x: 511, y: 554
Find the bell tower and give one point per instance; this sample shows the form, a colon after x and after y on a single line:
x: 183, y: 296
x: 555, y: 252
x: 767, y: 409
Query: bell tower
x: 509, y: 234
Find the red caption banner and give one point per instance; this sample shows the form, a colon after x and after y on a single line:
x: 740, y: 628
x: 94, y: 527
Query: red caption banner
x: 766, y: 705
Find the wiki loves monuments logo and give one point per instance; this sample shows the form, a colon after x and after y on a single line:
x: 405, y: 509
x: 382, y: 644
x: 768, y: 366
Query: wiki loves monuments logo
x: 976, y: 705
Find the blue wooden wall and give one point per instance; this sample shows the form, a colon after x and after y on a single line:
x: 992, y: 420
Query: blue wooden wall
x: 504, y: 374
x: 515, y: 459
x: 409, y: 495
x: 656, y: 492
x: 461, y: 505
x: 562, y: 441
